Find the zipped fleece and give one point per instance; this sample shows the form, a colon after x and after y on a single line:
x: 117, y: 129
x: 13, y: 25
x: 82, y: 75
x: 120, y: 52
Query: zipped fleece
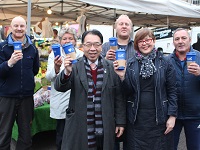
x: 18, y: 81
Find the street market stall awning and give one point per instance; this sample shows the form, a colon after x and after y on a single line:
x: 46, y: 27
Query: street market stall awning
x: 142, y: 12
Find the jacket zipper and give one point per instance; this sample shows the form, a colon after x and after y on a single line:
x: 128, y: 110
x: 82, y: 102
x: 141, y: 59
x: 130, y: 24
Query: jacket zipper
x: 137, y: 92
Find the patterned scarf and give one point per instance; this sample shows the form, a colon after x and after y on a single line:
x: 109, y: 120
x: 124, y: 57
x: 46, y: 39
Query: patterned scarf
x: 94, y: 111
x: 147, y: 68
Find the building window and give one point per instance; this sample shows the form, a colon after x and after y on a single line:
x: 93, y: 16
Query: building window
x: 196, y: 2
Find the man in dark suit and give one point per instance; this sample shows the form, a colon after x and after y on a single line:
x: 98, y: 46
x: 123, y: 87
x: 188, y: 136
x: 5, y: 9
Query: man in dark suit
x: 96, y: 112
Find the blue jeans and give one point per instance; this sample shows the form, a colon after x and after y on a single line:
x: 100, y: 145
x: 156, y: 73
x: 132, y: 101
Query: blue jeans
x: 192, y: 133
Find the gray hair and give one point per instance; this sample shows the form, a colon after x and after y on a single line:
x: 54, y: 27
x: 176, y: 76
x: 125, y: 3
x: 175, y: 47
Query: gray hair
x: 69, y: 30
x: 180, y: 29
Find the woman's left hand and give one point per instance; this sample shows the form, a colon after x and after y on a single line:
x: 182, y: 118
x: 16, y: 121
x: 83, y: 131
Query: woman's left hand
x: 170, y: 124
x: 119, y: 131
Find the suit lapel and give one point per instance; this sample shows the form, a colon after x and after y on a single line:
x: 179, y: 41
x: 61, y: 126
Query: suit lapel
x: 106, y: 73
x: 82, y: 74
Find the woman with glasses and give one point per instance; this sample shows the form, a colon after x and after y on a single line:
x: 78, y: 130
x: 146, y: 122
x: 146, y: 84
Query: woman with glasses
x: 96, y: 112
x: 150, y: 90
x: 58, y: 100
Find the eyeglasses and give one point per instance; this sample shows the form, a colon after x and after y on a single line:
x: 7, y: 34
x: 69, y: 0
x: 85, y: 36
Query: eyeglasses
x: 89, y: 45
x: 146, y: 41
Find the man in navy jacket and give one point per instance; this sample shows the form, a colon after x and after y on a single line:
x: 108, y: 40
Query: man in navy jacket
x: 188, y: 86
x: 17, y: 71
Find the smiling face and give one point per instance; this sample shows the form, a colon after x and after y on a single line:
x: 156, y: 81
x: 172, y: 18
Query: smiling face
x: 144, y: 41
x: 18, y: 27
x: 146, y: 45
x: 182, y: 41
x: 92, y: 47
x: 68, y: 38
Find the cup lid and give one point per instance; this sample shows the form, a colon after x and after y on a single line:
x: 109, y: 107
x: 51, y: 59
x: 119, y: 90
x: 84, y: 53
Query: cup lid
x: 190, y: 53
x: 120, y: 50
x: 55, y: 45
x: 68, y: 44
x: 112, y: 39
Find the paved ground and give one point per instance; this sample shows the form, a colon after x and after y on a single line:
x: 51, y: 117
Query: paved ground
x: 46, y: 141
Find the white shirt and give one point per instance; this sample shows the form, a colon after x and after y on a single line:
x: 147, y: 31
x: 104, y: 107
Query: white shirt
x: 58, y: 100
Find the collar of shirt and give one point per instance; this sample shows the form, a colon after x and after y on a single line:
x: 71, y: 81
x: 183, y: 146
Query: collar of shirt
x: 96, y: 62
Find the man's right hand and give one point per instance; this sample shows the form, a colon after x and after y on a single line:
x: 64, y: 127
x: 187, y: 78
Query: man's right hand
x: 68, y: 64
x: 110, y: 55
x: 15, y: 57
x: 120, y: 73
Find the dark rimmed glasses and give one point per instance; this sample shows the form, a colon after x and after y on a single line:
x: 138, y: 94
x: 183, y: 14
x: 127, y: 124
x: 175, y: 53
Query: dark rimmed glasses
x: 146, y: 41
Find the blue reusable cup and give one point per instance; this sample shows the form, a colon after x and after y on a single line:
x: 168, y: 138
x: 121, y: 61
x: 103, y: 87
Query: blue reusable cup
x: 56, y: 49
x: 17, y: 45
x: 190, y: 57
x: 69, y: 50
x: 113, y: 43
x: 121, y: 58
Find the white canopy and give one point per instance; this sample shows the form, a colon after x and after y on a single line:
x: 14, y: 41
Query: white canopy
x: 160, y: 7
x: 142, y: 12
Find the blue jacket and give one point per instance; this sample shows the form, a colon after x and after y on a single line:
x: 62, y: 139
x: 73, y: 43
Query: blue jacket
x: 165, y: 89
x: 18, y: 81
x: 188, y: 88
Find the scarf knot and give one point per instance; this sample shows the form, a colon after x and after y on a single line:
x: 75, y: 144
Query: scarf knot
x: 147, y: 67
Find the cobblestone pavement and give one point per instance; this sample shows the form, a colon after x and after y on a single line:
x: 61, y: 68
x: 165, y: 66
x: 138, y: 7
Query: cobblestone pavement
x: 46, y: 141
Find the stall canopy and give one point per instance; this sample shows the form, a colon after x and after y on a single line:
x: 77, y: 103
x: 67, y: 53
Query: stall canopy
x: 156, y: 13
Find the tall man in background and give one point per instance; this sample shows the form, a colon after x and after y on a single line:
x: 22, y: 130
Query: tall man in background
x: 123, y: 26
x: 17, y: 71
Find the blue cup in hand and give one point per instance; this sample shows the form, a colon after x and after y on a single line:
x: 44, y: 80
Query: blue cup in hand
x: 17, y: 46
x: 121, y: 58
x: 69, y: 50
x: 56, y: 49
x: 190, y: 57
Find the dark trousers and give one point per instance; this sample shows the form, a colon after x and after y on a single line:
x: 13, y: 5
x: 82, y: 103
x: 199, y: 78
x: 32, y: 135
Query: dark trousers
x: 117, y: 145
x: 192, y: 133
x: 20, y: 110
x: 59, y: 132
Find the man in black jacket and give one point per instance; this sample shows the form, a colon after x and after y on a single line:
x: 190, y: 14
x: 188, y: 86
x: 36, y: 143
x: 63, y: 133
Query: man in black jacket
x: 17, y: 71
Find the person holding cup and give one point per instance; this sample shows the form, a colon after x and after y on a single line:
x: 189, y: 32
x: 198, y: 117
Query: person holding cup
x: 123, y: 40
x: 123, y: 26
x: 186, y: 61
x: 149, y: 85
x: 96, y: 112
x: 58, y: 100
x: 19, y: 63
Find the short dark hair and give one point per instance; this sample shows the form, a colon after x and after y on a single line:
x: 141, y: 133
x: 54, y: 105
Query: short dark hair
x: 55, y: 31
x: 93, y: 32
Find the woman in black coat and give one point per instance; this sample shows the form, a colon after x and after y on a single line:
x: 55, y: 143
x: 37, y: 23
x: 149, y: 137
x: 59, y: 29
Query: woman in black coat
x: 150, y: 85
